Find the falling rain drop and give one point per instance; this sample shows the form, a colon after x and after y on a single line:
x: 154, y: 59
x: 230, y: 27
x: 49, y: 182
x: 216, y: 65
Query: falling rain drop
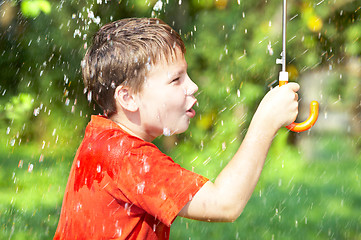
x: 36, y: 111
x: 158, y: 6
x: 20, y: 165
x: 30, y: 167
x: 89, y: 96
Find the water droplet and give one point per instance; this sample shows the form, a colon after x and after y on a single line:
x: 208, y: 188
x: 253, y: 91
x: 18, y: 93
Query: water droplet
x: 224, y: 147
x: 90, y: 14
x: 20, y: 165
x: 96, y: 20
x: 78, y: 207
x: 89, y: 96
x: 146, y: 167
x: 36, y: 111
x: 77, y: 33
x: 166, y: 132
x: 269, y: 48
x: 30, y: 168
x: 99, y: 168
x: 119, y: 232
x: 140, y: 187
x: 158, y: 6
x: 163, y: 196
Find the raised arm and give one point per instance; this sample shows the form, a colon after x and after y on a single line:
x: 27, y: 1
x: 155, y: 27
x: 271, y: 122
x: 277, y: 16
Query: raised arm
x: 225, y: 199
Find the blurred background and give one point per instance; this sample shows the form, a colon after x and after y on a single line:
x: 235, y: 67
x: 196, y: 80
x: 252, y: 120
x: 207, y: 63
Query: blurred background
x: 310, y: 187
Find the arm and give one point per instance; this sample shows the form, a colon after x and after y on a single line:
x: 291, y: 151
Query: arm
x: 225, y: 199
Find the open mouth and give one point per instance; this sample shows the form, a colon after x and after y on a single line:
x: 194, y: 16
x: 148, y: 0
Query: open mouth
x: 191, y: 112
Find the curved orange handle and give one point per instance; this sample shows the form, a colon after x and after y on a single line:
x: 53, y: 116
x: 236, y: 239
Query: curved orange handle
x: 310, y: 121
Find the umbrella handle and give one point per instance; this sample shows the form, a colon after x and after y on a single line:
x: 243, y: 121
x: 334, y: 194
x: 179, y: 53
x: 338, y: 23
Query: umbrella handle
x: 310, y: 121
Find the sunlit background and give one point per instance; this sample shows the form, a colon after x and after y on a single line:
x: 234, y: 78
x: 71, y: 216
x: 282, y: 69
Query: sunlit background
x: 310, y: 187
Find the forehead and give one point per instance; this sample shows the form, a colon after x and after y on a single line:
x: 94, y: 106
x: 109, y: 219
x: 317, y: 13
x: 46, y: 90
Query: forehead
x: 175, y: 64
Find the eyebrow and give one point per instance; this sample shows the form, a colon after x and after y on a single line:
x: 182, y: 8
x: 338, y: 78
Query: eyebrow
x: 180, y: 72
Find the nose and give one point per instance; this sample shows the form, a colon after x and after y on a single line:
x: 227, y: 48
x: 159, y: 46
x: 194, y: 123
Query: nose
x: 192, y: 88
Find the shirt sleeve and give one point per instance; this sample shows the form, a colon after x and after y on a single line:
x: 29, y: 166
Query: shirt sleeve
x: 155, y: 183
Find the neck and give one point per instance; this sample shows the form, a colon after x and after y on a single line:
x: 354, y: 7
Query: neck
x: 131, y: 127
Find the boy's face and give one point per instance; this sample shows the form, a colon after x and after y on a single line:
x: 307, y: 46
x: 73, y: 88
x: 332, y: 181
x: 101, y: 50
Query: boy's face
x: 166, y: 100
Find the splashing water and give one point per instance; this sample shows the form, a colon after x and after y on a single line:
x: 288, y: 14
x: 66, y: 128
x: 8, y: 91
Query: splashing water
x: 166, y: 132
x: 158, y: 6
x: 140, y: 187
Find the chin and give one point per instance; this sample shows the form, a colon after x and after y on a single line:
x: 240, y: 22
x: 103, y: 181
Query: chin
x: 181, y: 129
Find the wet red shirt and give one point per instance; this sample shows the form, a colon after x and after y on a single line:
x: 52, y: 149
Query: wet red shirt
x: 121, y: 187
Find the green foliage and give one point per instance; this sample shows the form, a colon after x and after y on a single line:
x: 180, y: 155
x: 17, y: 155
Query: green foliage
x: 19, y: 107
x: 32, y: 8
x: 15, y: 115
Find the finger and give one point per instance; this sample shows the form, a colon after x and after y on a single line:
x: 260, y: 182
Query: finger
x: 293, y: 86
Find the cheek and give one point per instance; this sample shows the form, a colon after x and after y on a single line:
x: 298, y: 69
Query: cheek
x: 163, y: 103
x: 176, y: 98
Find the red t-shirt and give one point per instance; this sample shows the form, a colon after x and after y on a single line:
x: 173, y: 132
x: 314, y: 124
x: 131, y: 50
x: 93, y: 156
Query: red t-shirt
x: 121, y: 187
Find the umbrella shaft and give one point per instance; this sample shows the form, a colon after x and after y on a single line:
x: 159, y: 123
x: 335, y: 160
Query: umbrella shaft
x: 284, y: 16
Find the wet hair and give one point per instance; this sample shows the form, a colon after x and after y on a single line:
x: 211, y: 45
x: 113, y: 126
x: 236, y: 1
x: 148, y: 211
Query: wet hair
x: 122, y: 52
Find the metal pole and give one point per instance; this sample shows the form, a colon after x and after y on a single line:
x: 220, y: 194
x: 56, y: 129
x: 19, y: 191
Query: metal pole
x: 284, y: 17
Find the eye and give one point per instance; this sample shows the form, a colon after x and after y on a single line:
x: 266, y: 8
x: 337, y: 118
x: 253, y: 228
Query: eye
x: 175, y: 80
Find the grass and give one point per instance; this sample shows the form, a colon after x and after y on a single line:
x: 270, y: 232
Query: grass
x: 296, y: 198
x: 30, y: 201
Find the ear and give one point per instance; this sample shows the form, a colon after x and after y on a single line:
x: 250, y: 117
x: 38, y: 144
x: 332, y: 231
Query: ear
x: 124, y: 97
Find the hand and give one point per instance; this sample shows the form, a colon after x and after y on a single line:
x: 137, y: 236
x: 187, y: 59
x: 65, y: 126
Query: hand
x: 279, y: 107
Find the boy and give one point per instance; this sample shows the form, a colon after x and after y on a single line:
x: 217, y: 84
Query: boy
x: 120, y: 185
